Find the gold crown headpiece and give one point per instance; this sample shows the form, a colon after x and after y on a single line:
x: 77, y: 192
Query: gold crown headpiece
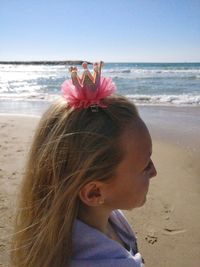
x: 87, y: 79
x: 89, y: 90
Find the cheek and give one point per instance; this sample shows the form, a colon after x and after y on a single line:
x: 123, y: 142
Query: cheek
x: 128, y: 189
x: 141, y: 187
x: 144, y: 185
x: 128, y: 193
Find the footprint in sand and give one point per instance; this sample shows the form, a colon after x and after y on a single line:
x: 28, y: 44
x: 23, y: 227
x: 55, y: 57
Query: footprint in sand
x: 7, y: 155
x: 173, y: 231
x: 151, y: 239
x: 3, y: 208
x: 3, y: 125
x: 167, y: 209
x: 19, y: 150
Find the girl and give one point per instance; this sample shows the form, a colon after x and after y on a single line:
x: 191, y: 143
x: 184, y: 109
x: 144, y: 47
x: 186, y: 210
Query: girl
x: 84, y: 166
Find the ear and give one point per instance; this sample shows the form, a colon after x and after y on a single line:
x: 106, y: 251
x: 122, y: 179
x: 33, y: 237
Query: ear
x: 91, y: 194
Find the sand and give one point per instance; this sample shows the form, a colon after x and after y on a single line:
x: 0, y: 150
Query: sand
x: 167, y: 226
x: 15, y: 138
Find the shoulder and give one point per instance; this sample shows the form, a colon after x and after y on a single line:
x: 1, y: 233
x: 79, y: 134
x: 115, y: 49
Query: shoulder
x: 89, y: 242
x: 93, y: 248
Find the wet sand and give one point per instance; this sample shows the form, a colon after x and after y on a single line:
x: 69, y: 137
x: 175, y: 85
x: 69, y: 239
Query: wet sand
x: 167, y: 226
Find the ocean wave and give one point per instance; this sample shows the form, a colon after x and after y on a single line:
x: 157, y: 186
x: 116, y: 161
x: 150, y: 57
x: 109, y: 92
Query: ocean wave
x: 31, y: 68
x: 177, y: 100
x: 117, y: 71
x: 133, y: 73
x: 34, y: 96
x: 149, y: 84
x: 166, y: 99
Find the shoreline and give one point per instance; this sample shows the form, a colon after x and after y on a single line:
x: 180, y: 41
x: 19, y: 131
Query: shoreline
x: 18, y: 104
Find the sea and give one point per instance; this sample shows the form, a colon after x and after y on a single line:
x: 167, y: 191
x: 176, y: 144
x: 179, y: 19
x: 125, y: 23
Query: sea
x: 174, y: 84
x: 167, y: 94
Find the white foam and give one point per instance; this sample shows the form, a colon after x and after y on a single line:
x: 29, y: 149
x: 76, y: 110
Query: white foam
x: 20, y: 115
x: 140, y: 73
x: 177, y: 100
x: 34, y: 96
x: 42, y: 82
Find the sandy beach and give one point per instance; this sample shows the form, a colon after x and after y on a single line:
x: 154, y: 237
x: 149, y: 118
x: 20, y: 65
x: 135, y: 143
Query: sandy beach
x: 167, y: 226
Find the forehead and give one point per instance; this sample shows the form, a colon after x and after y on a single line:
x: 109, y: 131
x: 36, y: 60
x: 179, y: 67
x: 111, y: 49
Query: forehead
x: 136, y: 143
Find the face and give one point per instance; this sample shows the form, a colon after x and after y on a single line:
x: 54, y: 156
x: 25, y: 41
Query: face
x: 129, y: 187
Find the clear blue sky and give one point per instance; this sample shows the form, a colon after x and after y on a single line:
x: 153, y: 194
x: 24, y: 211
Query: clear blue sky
x: 111, y: 30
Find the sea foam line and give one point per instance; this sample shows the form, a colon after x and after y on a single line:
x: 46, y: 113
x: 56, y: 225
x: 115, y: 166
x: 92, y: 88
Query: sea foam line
x: 166, y: 99
x: 178, y: 100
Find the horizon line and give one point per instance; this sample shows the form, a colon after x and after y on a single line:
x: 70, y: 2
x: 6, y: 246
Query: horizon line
x: 89, y: 62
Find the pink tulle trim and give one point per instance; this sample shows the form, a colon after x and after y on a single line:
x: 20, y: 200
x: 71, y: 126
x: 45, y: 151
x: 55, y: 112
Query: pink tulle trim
x: 86, y: 97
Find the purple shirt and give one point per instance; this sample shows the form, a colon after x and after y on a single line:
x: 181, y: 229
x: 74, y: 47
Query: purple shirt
x: 92, y: 248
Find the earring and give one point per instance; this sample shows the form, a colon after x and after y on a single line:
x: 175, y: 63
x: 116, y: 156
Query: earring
x: 101, y: 201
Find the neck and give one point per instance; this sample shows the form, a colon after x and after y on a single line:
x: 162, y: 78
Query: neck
x: 96, y: 217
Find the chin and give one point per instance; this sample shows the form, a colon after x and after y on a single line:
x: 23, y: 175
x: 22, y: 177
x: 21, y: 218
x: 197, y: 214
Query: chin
x: 139, y: 205
x: 142, y: 202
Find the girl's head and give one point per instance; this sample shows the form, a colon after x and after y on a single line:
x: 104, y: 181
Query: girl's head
x: 72, y: 149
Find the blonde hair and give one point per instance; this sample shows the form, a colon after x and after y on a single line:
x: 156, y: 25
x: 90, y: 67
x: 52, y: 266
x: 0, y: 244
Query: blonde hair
x: 70, y: 148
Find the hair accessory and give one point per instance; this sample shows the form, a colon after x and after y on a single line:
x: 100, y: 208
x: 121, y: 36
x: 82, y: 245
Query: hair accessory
x: 88, y: 90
